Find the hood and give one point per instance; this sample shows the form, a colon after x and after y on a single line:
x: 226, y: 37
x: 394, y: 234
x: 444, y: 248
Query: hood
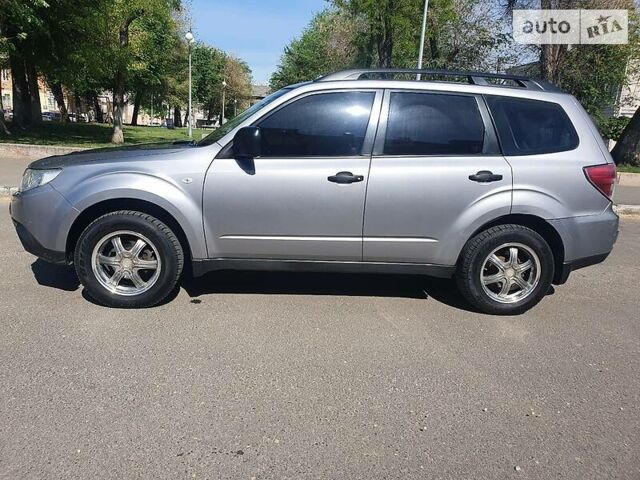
x: 112, y: 155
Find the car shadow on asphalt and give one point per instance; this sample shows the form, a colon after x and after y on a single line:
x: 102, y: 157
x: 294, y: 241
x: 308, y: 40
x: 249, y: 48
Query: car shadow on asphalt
x: 330, y: 284
x: 62, y: 277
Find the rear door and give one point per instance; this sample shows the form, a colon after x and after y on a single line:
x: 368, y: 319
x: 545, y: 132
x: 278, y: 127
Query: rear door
x: 436, y: 175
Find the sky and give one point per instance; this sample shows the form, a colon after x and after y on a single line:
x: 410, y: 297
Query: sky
x: 254, y: 30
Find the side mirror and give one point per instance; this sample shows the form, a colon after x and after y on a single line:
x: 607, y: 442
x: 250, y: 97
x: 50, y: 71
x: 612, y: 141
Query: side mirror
x: 247, y: 143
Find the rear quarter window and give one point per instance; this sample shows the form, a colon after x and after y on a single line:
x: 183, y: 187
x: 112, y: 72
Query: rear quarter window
x: 530, y: 127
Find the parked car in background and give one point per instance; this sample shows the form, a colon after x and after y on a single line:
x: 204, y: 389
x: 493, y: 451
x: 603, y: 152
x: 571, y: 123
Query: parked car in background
x: 502, y: 182
x: 51, y: 116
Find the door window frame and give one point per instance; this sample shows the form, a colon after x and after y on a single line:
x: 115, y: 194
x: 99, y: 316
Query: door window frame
x: 370, y: 134
x: 490, y: 145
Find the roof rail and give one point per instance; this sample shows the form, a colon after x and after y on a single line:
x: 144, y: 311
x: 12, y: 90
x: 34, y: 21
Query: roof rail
x: 473, y: 78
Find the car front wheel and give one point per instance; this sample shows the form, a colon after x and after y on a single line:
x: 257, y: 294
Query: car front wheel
x: 128, y: 259
x: 505, y: 270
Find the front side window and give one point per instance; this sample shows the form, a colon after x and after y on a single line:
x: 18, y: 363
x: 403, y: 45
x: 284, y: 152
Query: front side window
x: 326, y: 124
x: 217, y: 134
x: 433, y: 124
x: 529, y: 127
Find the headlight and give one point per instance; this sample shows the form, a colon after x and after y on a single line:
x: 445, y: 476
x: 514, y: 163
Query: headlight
x: 35, y: 178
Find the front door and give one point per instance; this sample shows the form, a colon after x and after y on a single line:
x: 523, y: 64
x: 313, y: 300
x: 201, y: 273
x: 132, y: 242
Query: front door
x: 436, y: 176
x: 304, y: 197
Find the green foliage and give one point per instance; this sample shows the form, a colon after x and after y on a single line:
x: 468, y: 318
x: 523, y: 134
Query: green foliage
x: 211, y: 67
x: 461, y: 34
x: 612, y: 128
x: 327, y: 44
x: 594, y: 73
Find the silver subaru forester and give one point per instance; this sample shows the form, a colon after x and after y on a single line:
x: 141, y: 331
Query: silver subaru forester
x: 502, y: 182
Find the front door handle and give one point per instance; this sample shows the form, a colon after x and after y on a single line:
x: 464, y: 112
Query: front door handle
x: 485, y: 176
x: 345, y: 177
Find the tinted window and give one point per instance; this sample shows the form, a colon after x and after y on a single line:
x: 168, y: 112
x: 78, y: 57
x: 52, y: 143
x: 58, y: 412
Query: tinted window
x: 327, y: 124
x: 527, y: 127
x: 433, y: 124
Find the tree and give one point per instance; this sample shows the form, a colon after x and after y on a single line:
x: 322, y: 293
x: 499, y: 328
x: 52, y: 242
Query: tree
x: 461, y: 34
x: 20, y: 24
x: 329, y: 43
x: 124, y: 54
x: 237, y: 75
x: 155, y: 44
x: 208, y: 67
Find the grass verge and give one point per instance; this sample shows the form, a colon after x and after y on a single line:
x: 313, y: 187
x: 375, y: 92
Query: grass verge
x: 628, y: 169
x: 93, y: 135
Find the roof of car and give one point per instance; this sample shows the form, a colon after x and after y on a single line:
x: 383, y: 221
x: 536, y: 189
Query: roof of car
x: 471, y: 78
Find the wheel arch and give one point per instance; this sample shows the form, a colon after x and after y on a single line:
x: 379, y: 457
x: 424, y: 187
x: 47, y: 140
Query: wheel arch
x: 98, y: 209
x: 538, y: 225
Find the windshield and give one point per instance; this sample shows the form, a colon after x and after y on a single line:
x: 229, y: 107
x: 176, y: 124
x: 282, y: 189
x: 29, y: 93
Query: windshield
x: 218, y: 133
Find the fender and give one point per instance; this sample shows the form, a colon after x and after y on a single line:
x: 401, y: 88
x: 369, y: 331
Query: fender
x: 182, y: 202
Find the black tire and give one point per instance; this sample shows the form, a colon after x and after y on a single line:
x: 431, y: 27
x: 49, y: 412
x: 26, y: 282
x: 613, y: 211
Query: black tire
x: 169, y: 253
x: 472, y: 261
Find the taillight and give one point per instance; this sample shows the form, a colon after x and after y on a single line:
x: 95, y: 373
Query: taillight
x: 603, y: 177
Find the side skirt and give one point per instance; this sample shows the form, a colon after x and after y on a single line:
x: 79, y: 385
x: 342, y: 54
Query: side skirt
x: 201, y: 267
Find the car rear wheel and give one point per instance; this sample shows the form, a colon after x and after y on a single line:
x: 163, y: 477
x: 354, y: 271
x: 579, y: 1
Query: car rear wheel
x: 505, y: 270
x: 128, y: 259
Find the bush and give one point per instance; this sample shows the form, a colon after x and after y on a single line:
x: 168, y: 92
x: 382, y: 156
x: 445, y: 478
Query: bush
x: 611, y: 128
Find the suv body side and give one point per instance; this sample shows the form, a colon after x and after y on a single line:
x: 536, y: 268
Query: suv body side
x: 189, y: 184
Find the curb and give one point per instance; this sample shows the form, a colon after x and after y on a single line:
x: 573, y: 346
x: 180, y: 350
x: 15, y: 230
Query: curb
x: 627, y: 210
x: 628, y: 179
x: 7, y: 191
x: 36, y: 151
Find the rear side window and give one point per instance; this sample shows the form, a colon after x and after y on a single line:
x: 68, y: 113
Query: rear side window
x: 529, y: 127
x: 433, y: 124
x: 326, y: 124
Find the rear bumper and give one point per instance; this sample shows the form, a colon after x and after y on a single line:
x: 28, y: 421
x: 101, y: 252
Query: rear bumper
x: 587, y: 240
x: 562, y: 275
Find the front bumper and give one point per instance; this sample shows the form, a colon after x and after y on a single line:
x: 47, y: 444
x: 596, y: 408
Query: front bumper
x: 31, y: 245
x: 42, y: 218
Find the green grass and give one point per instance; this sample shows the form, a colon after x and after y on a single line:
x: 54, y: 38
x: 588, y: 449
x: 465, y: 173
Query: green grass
x: 628, y: 169
x: 93, y: 135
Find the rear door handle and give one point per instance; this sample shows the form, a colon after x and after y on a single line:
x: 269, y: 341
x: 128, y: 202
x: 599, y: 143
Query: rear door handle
x: 485, y: 176
x: 345, y: 177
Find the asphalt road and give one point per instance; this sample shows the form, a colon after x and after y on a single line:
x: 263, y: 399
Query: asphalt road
x: 255, y: 375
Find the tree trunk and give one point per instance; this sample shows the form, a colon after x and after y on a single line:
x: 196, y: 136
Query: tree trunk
x: 177, y: 119
x: 551, y: 57
x: 118, y: 109
x: 34, y: 93
x: 385, y: 39
x: 98, y: 108
x: 2, y: 124
x: 56, y: 89
x: 118, y: 91
x: 21, y: 98
x: 77, y: 106
x: 136, y: 109
x: 627, y: 149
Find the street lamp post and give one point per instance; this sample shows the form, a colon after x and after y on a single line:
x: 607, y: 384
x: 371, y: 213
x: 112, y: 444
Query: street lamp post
x: 189, y: 37
x: 224, y: 90
x: 235, y: 107
x: 422, y: 35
